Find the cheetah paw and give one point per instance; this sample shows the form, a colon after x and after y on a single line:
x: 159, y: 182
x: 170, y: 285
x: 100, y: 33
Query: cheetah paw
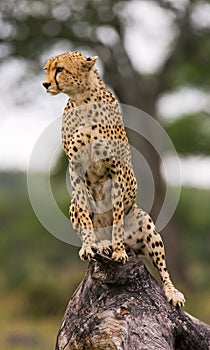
x: 120, y: 256
x: 175, y: 297
x: 88, y: 252
x: 104, y: 247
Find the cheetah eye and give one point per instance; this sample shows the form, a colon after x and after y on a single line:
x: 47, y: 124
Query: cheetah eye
x: 59, y: 69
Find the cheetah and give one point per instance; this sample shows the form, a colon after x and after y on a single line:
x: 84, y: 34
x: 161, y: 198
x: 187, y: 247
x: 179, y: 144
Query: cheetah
x: 102, y: 210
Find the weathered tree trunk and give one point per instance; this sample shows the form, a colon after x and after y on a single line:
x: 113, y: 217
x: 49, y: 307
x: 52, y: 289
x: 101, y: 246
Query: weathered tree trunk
x: 122, y: 307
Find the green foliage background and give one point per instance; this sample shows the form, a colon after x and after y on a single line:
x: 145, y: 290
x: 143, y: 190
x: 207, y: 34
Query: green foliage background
x: 38, y: 273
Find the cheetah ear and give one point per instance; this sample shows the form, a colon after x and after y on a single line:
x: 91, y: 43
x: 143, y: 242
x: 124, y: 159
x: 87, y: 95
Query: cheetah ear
x: 89, y: 63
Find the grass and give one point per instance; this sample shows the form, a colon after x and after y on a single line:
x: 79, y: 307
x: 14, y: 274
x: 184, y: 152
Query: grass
x: 31, y: 316
x: 19, y: 331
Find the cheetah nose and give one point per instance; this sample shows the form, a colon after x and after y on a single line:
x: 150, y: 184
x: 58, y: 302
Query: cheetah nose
x: 46, y: 85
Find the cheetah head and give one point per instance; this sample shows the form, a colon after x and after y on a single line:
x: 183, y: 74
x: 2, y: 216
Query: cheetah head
x: 68, y: 73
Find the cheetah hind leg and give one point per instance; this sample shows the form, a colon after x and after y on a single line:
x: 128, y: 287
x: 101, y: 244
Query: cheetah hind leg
x: 155, y: 253
x: 146, y: 241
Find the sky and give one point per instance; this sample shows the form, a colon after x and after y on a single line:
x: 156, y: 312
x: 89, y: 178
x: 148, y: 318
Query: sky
x: 21, y: 124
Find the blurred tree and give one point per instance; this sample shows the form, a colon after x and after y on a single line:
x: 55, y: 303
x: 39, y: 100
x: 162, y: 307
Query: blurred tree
x: 195, y: 126
x: 30, y: 28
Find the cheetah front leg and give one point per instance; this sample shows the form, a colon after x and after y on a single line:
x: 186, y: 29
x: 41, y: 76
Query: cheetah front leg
x: 80, y: 214
x: 82, y: 224
x: 117, y: 194
x: 147, y: 241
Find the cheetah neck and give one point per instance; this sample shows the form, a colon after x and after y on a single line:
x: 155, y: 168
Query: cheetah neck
x: 92, y: 93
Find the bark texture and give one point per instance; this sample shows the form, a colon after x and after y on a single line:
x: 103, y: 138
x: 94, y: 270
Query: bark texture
x: 122, y: 307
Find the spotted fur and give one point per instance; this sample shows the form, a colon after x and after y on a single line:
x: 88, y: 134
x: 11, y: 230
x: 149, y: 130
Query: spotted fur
x: 103, y: 209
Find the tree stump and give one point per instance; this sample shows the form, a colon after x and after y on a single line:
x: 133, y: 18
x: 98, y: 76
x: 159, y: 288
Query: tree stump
x: 122, y: 307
